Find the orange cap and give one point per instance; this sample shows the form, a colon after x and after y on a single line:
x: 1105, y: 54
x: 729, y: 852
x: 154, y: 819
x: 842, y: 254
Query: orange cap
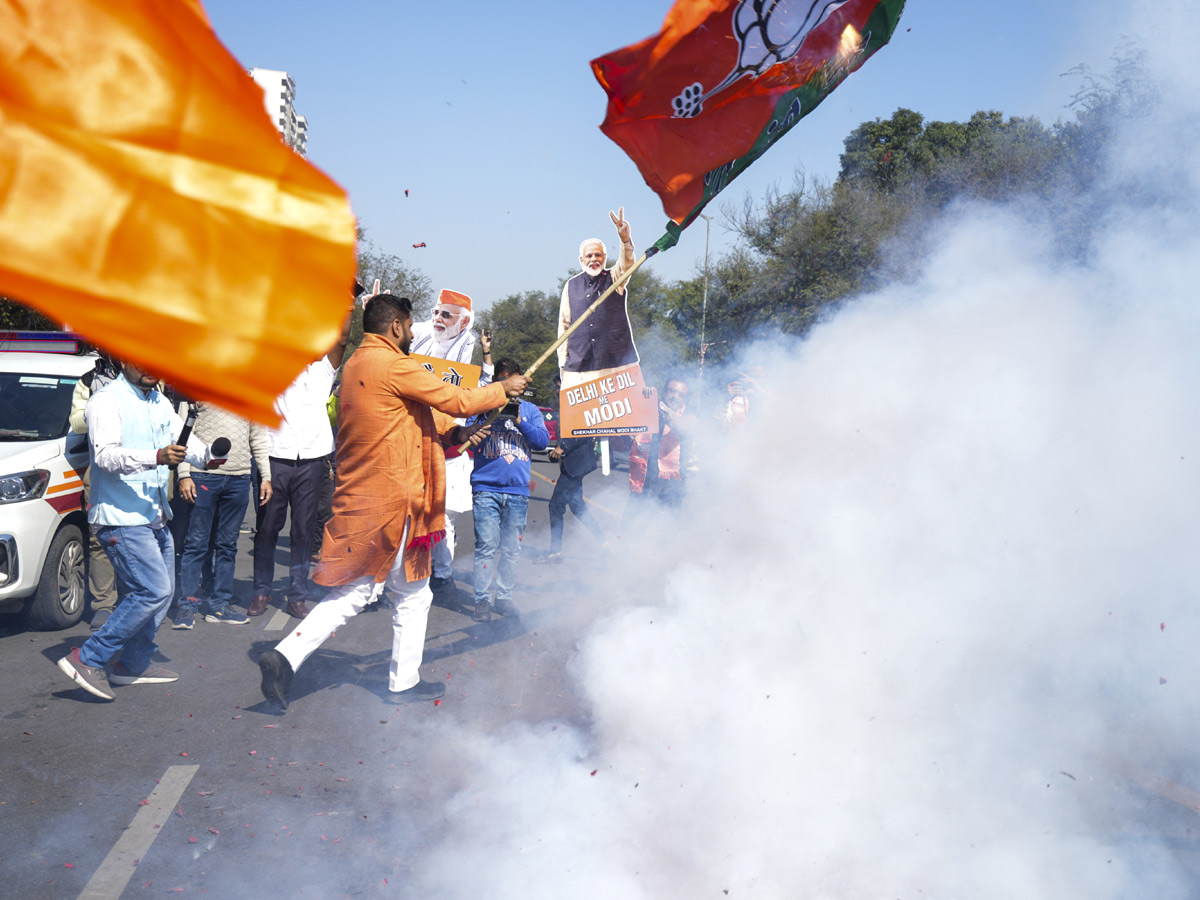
x: 454, y: 298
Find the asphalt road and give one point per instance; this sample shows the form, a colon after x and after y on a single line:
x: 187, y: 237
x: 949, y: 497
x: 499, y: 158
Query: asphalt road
x: 199, y: 787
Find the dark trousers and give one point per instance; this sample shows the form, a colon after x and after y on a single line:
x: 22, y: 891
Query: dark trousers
x: 295, y: 484
x: 568, y: 492
x: 324, y: 508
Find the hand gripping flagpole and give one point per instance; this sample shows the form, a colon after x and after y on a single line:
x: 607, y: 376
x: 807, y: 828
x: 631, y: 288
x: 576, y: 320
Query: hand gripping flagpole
x: 580, y: 320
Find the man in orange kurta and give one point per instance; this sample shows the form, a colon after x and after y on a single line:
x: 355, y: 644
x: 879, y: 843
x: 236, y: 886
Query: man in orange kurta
x: 388, y: 504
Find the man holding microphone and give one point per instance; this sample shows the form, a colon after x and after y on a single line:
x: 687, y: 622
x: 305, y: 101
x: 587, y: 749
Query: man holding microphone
x: 132, y: 430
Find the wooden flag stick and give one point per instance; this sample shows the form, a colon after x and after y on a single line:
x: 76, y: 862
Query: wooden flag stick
x: 570, y: 331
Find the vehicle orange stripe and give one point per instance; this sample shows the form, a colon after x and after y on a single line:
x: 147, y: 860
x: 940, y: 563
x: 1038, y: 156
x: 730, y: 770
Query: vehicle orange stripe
x: 69, y: 486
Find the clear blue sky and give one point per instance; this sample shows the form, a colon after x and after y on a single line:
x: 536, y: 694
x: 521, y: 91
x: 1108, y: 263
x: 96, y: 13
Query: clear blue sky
x: 487, y: 113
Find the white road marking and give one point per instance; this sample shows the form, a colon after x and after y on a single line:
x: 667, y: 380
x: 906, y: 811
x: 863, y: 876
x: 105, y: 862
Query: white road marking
x: 118, y: 867
x: 278, y: 621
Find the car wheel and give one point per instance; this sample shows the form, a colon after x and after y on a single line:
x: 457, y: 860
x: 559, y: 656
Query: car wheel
x: 59, y: 600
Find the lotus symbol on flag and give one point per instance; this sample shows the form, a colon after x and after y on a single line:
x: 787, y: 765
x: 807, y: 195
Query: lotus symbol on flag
x: 769, y: 32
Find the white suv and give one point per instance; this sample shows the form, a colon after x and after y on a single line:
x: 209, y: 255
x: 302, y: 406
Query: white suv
x: 43, y: 526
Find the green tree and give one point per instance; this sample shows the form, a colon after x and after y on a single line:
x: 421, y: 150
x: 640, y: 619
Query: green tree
x: 15, y: 316
x: 881, y: 152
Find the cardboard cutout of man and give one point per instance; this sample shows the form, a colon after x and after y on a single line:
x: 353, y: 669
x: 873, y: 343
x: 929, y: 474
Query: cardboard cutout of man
x: 603, y: 344
x: 448, y: 335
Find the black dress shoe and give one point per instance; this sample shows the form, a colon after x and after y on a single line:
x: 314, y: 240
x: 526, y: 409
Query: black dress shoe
x: 483, y: 612
x: 276, y: 677
x: 422, y: 690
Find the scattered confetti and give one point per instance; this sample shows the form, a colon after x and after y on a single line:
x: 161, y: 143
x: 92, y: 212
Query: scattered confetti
x: 183, y: 754
x: 212, y: 830
x: 594, y: 771
x: 68, y: 865
x: 254, y: 753
x: 437, y: 702
x: 143, y: 803
x: 191, y: 840
x: 1162, y: 626
x: 1162, y: 681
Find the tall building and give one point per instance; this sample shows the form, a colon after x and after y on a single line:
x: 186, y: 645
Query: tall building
x: 279, y: 94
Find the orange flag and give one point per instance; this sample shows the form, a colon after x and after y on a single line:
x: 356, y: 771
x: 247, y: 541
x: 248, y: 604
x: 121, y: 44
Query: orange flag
x: 147, y: 200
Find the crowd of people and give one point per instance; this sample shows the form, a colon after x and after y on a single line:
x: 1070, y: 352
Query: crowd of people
x: 373, y: 462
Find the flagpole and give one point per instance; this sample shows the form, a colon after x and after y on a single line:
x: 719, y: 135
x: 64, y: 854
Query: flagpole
x: 571, y: 330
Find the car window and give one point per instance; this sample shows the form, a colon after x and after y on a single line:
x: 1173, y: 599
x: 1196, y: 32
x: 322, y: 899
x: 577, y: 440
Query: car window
x: 35, y: 407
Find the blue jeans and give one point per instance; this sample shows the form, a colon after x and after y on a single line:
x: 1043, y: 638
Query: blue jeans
x: 499, y: 522
x: 223, y: 498
x: 143, y: 559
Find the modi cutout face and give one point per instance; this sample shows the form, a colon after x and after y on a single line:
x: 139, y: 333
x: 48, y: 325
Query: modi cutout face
x: 592, y: 257
x: 451, y: 315
x: 448, y: 321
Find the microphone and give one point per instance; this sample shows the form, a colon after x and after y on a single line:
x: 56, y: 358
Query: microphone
x: 218, y: 452
x: 188, y: 423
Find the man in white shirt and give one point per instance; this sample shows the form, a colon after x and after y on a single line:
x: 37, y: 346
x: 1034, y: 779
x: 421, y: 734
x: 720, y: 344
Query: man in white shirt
x: 299, y: 450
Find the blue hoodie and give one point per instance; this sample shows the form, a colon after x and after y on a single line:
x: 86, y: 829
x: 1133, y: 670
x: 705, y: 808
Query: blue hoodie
x: 502, y: 460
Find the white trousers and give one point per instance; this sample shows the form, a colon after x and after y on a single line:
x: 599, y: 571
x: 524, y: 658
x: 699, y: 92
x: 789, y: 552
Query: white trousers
x: 443, y: 550
x: 409, y: 619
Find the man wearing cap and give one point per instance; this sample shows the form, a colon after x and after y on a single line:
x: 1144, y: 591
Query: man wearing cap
x: 604, y: 342
x: 448, y: 336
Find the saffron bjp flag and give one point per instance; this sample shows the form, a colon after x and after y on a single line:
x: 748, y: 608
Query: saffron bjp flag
x: 700, y: 101
x: 147, y: 200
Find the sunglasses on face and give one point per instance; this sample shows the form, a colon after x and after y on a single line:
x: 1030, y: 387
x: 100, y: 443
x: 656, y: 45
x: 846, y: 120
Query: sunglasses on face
x: 445, y: 314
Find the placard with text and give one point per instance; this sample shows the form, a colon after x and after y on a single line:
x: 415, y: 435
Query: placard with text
x: 455, y: 373
x: 611, y: 405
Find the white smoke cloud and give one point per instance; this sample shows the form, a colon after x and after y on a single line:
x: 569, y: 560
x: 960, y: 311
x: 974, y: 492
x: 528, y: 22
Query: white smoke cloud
x: 929, y: 622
